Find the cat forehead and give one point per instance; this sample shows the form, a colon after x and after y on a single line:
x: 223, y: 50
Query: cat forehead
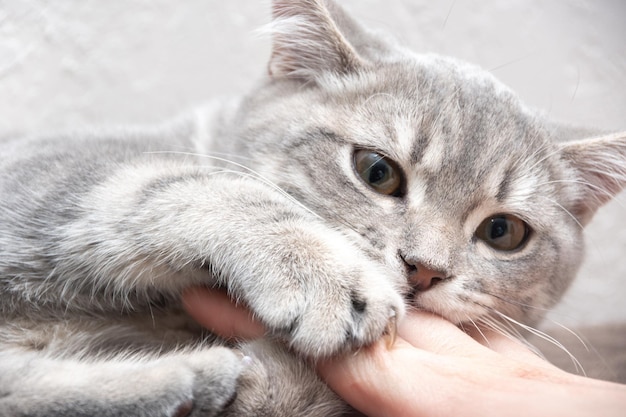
x: 429, y: 109
x: 455, y: 129
x: 427, y: 91
x: 410, y: 75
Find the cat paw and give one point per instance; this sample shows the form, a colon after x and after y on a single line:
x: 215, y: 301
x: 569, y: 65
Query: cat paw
x: 326, y: 296
x: 339, y: 317
x: 274, y: 382
x: 208, y: 380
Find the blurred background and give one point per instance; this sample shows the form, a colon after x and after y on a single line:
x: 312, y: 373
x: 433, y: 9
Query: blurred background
x: 69, y: 64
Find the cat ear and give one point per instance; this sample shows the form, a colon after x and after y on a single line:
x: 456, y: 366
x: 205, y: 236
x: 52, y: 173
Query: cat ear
x: 601, y: 167
x: 309, y: 37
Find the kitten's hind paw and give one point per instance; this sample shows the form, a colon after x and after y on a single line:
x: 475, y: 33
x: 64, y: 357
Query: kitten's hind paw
x: 215, y: 375
x: 276, y: 383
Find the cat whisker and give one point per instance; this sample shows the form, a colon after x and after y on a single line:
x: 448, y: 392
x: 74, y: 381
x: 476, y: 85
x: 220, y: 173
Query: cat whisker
x: 253, y: 174
x: 499, y: 327
x: 586, y: 345
x: 506, y: 329
x: 527, y: 171
x: 445, y: 21
x: 596, y: 188
x: 514, y: 302
x: 336, y: 216
x: 477, y: 329
x: 544, y: 336
x: 518, y: 335
x: 565, y: 210
x: 570, y: 331
x: 549, y: 155
x: 227, y: 156
x: 521, y: 164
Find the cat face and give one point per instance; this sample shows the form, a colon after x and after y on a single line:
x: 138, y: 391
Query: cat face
x: 434, y: 168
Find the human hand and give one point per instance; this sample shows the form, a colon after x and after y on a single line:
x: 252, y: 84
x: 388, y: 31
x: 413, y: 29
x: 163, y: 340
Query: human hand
x: 214, y: 310
x: 436, y: 369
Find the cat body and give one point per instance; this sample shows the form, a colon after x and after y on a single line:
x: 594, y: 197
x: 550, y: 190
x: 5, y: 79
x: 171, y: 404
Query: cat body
x: 357, y: 180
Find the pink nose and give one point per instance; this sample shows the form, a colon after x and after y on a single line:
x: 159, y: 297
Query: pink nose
x: 423, y: 278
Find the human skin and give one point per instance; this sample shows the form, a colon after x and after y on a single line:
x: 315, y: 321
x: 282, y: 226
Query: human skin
x: 434, y: 369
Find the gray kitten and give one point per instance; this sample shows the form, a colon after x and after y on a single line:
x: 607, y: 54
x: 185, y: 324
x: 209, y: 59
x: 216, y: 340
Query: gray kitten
x: 357, y: 179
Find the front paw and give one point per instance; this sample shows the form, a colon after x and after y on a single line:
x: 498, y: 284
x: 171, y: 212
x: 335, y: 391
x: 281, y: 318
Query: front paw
x: 351, y: 310
x: 324, y: 295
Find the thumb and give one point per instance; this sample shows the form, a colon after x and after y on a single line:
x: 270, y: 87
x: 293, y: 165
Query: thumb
x: 214, y: 310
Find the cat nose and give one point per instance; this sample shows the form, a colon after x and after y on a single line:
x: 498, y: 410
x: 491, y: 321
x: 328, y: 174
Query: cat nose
x: 422, y: 277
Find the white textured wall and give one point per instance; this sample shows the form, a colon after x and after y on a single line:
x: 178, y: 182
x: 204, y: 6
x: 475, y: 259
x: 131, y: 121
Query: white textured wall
x: 70, y: 63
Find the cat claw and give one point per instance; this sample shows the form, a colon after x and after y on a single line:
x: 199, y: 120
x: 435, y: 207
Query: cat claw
x: 391, y: 330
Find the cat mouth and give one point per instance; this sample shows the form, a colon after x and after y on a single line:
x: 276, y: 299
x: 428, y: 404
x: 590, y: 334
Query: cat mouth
x: 444, y: 304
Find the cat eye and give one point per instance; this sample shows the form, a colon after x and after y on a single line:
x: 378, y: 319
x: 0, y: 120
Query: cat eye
x: 503, y: 232
x: 379, y: 172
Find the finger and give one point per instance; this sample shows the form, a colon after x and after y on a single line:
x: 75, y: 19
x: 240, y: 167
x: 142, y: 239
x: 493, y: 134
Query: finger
x: 214, y: 310
x: 435, y: 334
x: 495, y: 340
x: 507, y: 345
x: 374, y: 379
x: 432, y: 333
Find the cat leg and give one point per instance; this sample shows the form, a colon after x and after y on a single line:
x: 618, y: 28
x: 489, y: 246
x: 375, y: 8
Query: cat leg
x: 151, y: 224
x: 195, y: 383
x: 168, y: 229
x: 276, y: 383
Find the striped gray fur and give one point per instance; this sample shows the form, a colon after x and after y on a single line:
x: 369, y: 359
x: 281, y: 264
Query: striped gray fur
x: 101, y: 231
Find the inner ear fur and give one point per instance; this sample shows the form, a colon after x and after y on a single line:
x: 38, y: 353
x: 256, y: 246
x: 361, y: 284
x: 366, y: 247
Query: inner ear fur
x: 601, y: 166
x: 308, y: 38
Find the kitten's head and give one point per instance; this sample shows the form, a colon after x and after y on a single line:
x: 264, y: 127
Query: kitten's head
x: 432, y: 166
